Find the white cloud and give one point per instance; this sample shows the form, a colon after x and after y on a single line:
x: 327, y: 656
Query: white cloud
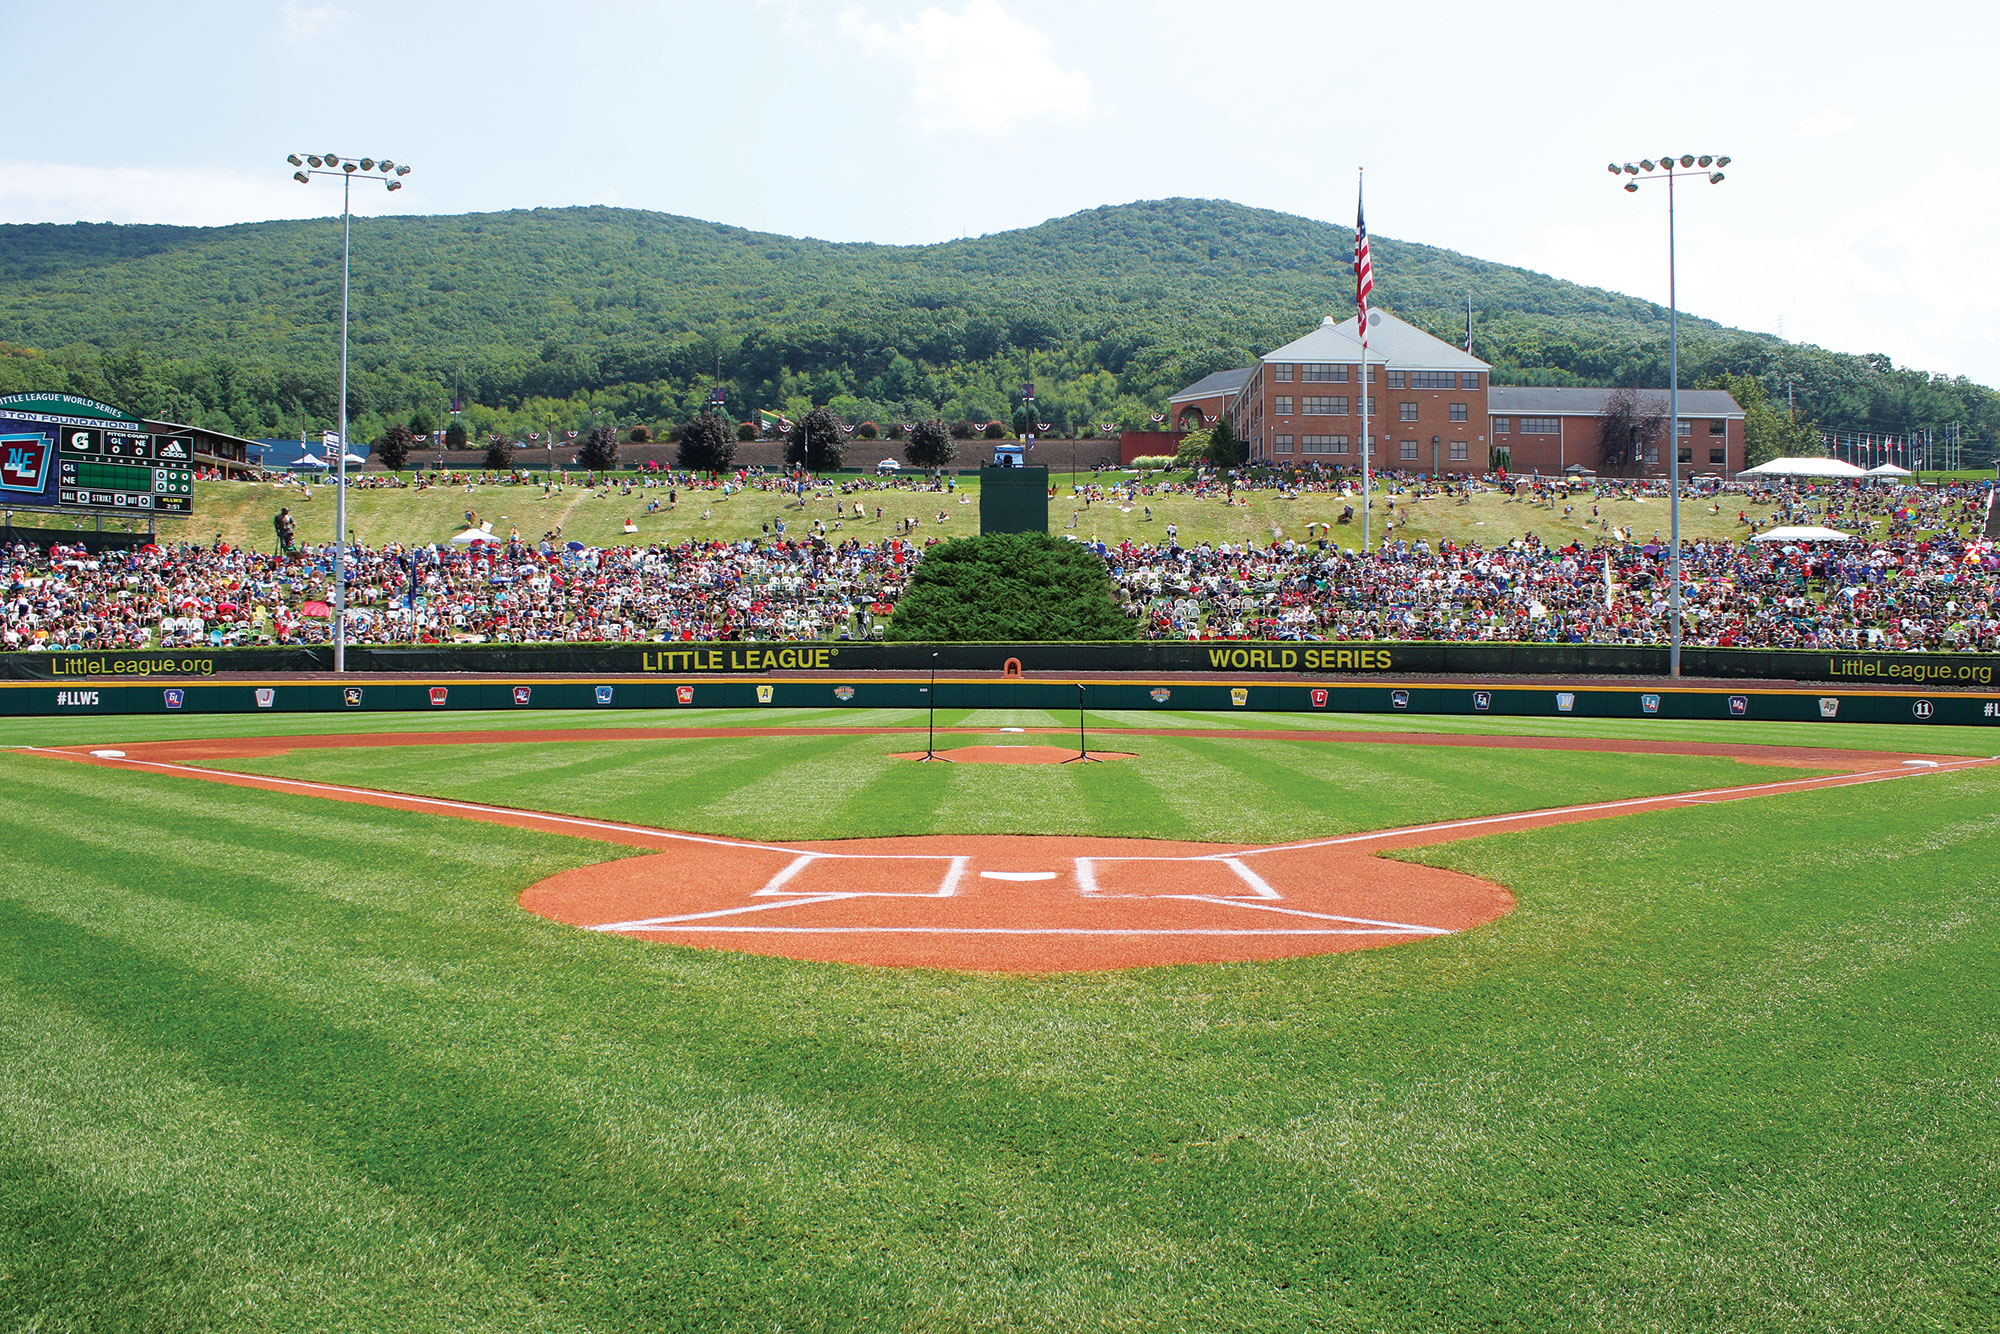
x: 185, y: 196
x: 307, y: 24
x: 982, y: 70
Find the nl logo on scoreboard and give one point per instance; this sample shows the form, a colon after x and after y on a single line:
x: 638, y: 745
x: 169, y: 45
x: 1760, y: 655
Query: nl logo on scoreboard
x: 24, y: 462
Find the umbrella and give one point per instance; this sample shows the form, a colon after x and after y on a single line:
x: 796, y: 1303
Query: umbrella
x: 1803, y: 533
x: 315, y: 609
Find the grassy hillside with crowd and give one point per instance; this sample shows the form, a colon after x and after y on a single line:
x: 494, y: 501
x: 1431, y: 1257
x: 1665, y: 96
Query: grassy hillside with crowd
x: 564, y: 318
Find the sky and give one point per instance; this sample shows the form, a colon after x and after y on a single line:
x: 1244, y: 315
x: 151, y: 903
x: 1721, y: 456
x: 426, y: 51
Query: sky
x: 1861, y: 211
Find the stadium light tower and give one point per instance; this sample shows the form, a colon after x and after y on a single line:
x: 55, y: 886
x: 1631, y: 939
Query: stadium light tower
x: 347, y: 169
x: 1666, y: 169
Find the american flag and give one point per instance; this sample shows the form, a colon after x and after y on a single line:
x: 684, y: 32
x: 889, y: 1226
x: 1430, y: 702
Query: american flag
x: 1364, y: 269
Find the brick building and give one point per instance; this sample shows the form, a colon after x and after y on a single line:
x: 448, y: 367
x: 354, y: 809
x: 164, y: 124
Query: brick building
x: 1432, y: 409
x: 1550, y: 430
x: 1301, y: 404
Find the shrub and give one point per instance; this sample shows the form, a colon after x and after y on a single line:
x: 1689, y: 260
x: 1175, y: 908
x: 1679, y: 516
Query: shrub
x: 996, y: 431
x: 1153, y: 461
x: 867, y: 431
x: 1026, y: 587
x: 641, y: 436
x: 963, y: 429
x: 746, y: 430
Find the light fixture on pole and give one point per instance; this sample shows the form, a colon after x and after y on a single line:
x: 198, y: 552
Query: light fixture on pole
x: 1667, y: 169
x: 390, y: 174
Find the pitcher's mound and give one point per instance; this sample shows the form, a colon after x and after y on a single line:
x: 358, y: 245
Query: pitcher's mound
x: 1013, y: 755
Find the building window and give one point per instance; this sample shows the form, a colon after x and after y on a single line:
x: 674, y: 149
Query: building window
x: 1433, y: 380
x: 1458, y: 412
x: 1406, y: 449
x: 1652, y: 454
x: 1282, y: 370
x: 1687, y: 454
x: 1683, y: 428
x: 1717, y: 428
x: 1503, y: 426
x: 1715, y: 455
x: 1320, y: 372
x: 1396, y: 379
x: 1284, y: 444
x: 1468, y: 379
x: 1540, y: 426
x: 1458, y: 451
x: 1282, y: 405
x: 1406, y: 412
x: 1325, y: 444
x: 1324, y: 405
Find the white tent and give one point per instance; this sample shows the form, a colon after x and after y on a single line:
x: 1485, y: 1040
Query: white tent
x: 483, y: 533
x: 1888, y: 470
x: 310, y: 461
x: 1803, y: 468
x: 1803, y: 533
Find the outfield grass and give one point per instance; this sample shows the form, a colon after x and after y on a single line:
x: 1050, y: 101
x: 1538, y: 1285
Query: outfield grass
x: 815, y: 787
x: 273, y: 1063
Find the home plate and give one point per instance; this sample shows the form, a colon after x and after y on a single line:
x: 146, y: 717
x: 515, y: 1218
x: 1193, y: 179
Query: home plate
x: 1019, y: 876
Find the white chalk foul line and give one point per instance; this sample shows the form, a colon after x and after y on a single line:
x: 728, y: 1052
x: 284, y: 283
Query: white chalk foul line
x: 761, y: 929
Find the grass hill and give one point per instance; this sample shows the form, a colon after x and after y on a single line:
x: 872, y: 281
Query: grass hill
x: 564, y: 316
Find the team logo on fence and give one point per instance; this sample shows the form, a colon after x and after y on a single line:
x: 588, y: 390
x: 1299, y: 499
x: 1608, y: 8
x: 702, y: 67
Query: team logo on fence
x: 175, y: 698
x: 604, y: 694
x: 1739, y: 705
x: 439, y: 694
x: 351, y: 697
x: 1161, y: 694
x: 684, y: 694
x: 1922, y: 708
x: 1239, y: 695
x: 1482, y: 700
x: 266, y: 697
x: 845, y: 694
x: 764, y: 694
x: 522, y: 694
x: 1319, y: 699
x: 1828, y: 707
x: 1399, y: 698
x: 1650, y: 703
x: 1565, y: 702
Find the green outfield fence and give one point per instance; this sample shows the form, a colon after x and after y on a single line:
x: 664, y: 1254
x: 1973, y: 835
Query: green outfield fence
x: 890, y: 690
x: 1926, y: 670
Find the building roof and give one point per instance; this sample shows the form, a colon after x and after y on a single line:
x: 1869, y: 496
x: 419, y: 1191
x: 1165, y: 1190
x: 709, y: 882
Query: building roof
x: 1222, y: 382
x: 1543, y: 401
x: 1391, y: 342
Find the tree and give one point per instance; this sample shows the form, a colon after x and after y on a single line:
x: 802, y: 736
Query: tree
x: 600, y: 449
x: 817, y: 441
x: 1224, y: 449
x: 706, y: 445
x: 1192, y: 449
x: 500, y: 454
x: 746, y: 430
x: 1022, y: 587
x: 421, y: 423
x: 454, y: 436
x: 393, y: 449
x: 931, y: 445
x: 1628, y: 428
x: 963, y: 429
x: 1768, y: 431
x: 996, y: 431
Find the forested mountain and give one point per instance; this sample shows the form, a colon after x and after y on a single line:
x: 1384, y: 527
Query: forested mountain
x: 561, y: 317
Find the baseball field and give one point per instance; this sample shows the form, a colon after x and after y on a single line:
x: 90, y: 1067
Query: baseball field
x: 370, y: 1022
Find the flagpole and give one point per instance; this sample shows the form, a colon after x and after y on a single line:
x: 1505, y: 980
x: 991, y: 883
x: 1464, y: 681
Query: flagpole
x: 1364, y: 278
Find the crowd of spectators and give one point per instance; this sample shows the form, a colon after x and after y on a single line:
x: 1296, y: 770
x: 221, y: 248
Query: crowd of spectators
x: 1919, y: 580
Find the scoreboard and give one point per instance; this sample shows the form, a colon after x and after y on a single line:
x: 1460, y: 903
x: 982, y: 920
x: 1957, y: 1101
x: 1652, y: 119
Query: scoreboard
x: 101, y: 468
x: 66, y: 453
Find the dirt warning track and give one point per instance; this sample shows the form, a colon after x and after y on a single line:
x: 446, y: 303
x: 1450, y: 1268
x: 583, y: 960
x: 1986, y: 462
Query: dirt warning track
x: 1019, y: 903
